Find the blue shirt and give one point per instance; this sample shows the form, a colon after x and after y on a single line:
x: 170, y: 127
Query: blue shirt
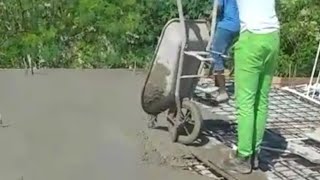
x: 228, y: 17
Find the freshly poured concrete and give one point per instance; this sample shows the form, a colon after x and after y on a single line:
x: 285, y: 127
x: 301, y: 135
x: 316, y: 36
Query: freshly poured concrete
x: 75, y: 125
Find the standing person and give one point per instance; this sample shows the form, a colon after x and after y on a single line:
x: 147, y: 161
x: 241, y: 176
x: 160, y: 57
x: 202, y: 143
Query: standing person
x: 227, y: 29
x: 256, y: 55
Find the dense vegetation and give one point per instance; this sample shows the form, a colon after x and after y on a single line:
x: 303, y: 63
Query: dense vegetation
x: 123, y: 33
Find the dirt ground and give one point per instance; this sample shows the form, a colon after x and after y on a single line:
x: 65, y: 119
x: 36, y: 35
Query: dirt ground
x: 77, y: 125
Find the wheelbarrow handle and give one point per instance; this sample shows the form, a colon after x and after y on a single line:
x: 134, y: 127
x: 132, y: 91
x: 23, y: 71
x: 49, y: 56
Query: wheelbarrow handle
x: 181, y: 17
x: 181, y: 56
x: 213, y: 23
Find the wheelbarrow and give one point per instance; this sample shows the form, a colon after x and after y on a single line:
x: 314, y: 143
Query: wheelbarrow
x: 175, y: 70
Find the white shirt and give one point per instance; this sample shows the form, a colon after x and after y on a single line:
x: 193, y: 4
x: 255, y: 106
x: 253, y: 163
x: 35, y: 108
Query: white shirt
x: 258, y: 16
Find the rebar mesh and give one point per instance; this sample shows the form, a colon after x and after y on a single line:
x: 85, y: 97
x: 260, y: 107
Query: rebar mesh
x: 289, y: 119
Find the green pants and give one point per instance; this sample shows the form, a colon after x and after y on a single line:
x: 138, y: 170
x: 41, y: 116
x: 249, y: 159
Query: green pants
x: 255, y: 63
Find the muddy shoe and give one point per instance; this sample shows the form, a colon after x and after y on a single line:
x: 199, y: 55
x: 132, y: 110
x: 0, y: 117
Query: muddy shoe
x: 222, y: 97
x: 236, y: 164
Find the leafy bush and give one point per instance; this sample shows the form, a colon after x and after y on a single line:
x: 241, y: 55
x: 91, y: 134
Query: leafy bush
x: 123, y: 34
x: 300, y: 36
x: 69, y: 33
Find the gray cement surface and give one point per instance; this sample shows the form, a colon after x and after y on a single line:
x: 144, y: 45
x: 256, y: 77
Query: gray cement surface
x: 76, y: 125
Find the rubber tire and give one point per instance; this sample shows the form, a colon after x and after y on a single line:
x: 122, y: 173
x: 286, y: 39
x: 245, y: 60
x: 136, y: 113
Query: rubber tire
x: 196, y: 116
x: 198, y: 121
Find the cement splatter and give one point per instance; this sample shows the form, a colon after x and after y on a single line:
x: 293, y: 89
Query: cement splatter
x: 154, y: 100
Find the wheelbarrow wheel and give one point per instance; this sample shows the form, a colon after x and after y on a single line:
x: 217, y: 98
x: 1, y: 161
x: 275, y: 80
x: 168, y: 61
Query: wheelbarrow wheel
x: 189, y: 125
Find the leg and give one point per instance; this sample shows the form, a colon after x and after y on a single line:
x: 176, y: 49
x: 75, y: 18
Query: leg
x: 271, y: 42
x: 219, y: 45
x: 248, y: 66
x: 247, y: 71
x: 222, y: 41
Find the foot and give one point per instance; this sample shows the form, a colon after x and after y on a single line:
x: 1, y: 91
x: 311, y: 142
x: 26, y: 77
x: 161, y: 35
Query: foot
x: 236, y: 164
x: 222, y: 97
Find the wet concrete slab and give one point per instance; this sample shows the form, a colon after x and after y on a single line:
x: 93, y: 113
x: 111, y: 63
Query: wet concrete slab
x: 75, y: 124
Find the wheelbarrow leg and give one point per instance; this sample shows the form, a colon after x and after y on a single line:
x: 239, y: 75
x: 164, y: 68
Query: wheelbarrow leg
x: 152, y: 121
x: 3, y: 123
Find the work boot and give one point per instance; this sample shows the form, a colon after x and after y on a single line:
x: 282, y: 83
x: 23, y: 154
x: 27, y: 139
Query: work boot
x: 237, y: 164
x: 222, y: 97
x: 221, y: 83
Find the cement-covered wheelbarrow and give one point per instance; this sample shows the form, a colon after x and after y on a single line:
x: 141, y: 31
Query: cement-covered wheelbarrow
x: 173, y: 75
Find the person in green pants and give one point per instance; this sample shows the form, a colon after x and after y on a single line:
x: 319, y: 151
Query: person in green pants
x: 256, y: 55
